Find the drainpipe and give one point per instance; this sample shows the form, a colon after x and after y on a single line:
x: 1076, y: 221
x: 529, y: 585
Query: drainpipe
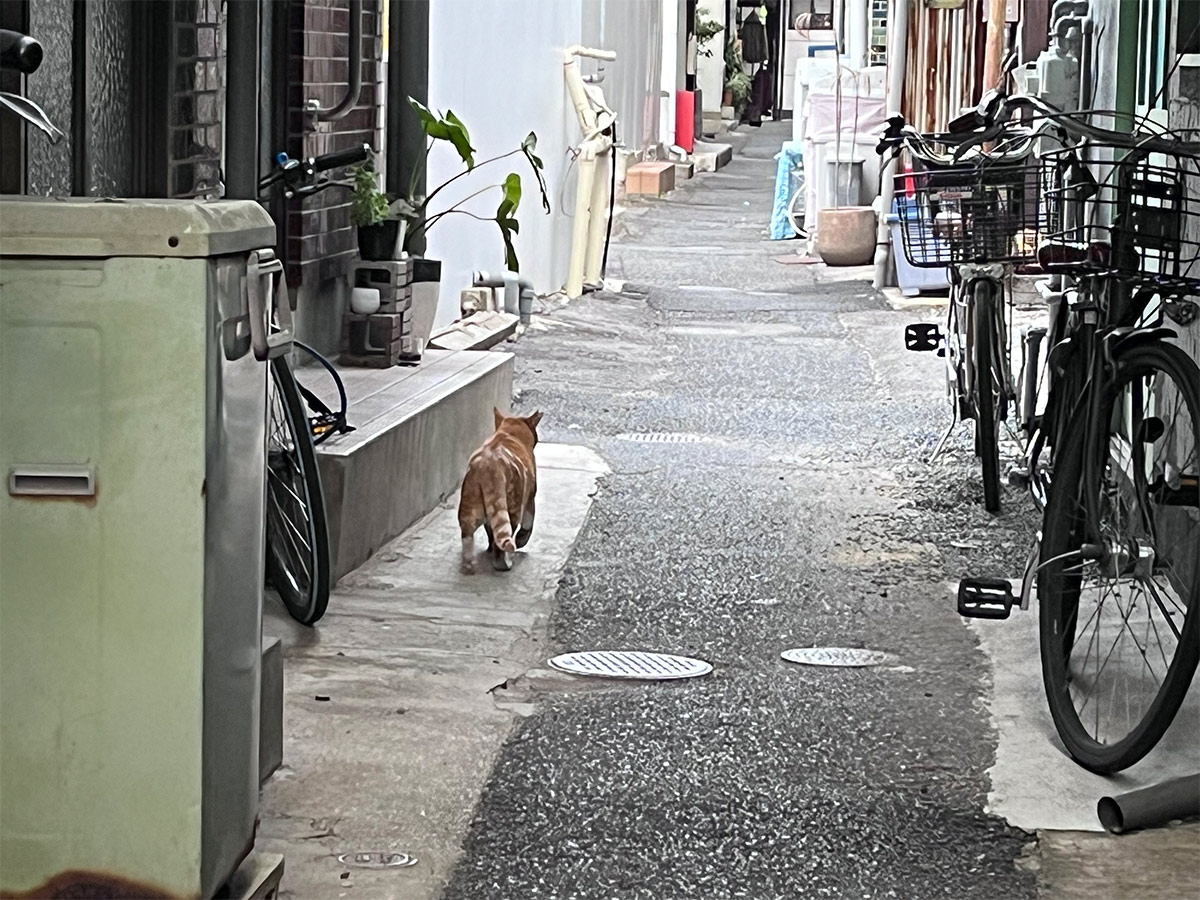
x: 242, y: 88
x: 858, y: 27
x: 354, y: 88
x: 518, y: 291
x: 897, y: 64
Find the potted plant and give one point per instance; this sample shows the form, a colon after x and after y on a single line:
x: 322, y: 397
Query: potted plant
x: 705, y: 30
x: 378, y: 231
x: 737, y: 82
x: 416, y: 211
x: 417, y: 216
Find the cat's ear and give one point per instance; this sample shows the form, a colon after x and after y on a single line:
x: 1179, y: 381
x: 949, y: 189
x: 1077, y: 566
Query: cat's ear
x: 534, y: 419
x: 499, y: 416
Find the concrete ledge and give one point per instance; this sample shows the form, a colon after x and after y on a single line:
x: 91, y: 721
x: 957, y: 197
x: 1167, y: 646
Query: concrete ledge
x: 711, y: 156
x: 478, y: 331
x: 416, y: 429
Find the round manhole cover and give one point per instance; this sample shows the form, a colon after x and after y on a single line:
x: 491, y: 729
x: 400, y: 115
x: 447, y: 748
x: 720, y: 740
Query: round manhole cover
x: 663, y: 437
x: 843, y: 657
x: 378, y: 860
x: 630, y: 664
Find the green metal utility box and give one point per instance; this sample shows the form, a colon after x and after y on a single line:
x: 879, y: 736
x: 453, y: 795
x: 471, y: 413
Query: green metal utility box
x: 132, y: 448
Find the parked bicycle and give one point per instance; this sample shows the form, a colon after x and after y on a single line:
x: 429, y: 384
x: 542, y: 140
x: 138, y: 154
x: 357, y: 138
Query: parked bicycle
x: 299, y: 559
x: 1115, y: 455
x: 969, y: 213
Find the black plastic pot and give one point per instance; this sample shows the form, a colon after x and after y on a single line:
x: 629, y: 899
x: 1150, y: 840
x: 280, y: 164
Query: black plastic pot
x: 378, y: 242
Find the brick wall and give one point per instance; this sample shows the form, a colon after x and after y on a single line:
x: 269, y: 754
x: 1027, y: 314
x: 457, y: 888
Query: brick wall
x: 321, y: 240
x: 197, y: 100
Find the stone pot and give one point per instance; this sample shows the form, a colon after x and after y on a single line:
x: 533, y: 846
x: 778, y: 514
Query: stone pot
x: 846, y: 236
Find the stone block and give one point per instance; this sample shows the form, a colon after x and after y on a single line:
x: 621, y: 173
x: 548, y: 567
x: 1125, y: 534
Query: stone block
x: 650, y: 179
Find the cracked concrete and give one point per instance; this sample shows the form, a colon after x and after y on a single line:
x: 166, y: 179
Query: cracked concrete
x: 397, y: 703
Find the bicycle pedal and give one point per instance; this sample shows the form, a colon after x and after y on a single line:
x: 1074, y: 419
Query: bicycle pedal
x: 985, y: 598
x: 922, y: 337
x: 1018, y: 477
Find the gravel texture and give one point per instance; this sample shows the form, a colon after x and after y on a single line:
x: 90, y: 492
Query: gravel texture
x: 808, y: 516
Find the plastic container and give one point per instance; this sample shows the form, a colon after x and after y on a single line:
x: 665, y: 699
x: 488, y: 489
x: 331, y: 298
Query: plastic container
x: 912, y: 279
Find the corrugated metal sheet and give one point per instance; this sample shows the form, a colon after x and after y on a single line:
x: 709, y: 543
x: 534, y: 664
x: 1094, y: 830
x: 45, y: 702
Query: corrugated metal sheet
x: 945, y: 63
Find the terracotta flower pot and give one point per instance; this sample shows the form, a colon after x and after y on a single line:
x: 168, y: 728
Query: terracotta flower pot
x: 846, y: 236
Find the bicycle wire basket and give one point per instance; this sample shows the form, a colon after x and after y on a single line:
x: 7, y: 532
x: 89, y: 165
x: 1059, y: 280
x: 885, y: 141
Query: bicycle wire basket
x: 983, y: 211
x: 1129, y: 215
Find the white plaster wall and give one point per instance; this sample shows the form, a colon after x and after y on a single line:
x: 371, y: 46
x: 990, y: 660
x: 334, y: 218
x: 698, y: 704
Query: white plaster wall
x: 710, y: 70
x: 633, y: 29
x: 674, y: 29
x: 498, y: 66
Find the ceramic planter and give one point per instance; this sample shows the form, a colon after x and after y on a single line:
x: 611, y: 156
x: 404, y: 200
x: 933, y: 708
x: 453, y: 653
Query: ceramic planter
x: 846, y: 236
x: 426, y: 288
x: 380, y: 241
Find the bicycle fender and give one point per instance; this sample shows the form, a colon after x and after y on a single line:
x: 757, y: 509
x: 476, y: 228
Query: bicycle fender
x: 1121, y: 339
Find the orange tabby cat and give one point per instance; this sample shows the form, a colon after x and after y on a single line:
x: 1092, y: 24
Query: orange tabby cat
x: 498, y: 489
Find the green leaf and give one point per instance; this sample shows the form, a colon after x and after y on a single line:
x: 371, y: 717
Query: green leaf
x: 423, y: 113
x: 461, y: 139
x: 446, y: 128
x: 527, y: 147
x: 512, y: 196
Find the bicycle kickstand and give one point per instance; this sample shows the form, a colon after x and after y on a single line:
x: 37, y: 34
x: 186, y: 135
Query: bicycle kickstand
x: 941, y: 445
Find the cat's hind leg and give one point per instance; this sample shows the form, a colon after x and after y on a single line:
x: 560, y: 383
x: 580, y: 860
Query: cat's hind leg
x: 468, y: 527
x: 501, y: 561
x: 526, y: 531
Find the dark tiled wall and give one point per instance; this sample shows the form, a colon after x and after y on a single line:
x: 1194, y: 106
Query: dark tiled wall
x: 321, y: 240
x: 197, y: 102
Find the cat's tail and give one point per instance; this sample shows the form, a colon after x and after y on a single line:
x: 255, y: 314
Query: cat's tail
x: 495, y: 505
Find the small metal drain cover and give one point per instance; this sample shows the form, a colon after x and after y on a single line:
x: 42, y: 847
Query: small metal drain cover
x: 630, y: 664
x: 844, y: 657
x: 378, y: 860
x: 664, y: 437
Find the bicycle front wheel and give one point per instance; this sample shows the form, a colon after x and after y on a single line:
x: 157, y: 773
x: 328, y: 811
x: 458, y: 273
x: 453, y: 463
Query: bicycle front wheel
x: 298, y: 564
x: 1119, y: 620
x: 987, y: 402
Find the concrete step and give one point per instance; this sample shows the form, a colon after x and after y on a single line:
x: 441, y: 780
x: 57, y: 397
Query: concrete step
x: 711, y: 156
x: 416, y: 427
x: 478, y: 331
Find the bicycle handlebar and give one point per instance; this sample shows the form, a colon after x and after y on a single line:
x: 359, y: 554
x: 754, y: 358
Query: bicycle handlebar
x: 340, y: 158
x: 19, y: 52
x: 300, y: 176
x: 991, y: 120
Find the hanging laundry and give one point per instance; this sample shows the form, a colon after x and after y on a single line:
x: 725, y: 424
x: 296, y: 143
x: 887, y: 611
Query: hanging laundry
x: 753, y: 34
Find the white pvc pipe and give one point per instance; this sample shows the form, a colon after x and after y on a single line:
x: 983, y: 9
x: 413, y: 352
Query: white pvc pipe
x: 897, y: 63
x: 858, y: 29
x: 595, y: 155
x: 597, y: 220
x: 583, y: 212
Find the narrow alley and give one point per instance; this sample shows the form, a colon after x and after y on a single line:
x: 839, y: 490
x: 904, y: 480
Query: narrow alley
x: 794, y: 508
x: 305, y: 303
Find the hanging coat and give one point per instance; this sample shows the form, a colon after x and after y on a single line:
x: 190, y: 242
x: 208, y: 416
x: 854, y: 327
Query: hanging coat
x: 754, y: 39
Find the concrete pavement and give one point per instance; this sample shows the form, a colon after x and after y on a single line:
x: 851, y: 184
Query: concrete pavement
x: 391, y: 724
x: 794, y: 508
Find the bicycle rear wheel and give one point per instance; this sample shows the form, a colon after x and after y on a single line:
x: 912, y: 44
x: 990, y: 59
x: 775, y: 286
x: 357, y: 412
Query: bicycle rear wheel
x: 988, y: 401
x: 298, y: 564
x: 1120, y: 620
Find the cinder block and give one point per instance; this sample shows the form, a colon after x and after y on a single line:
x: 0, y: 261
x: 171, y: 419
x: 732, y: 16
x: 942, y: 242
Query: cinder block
x: 650, y: 178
